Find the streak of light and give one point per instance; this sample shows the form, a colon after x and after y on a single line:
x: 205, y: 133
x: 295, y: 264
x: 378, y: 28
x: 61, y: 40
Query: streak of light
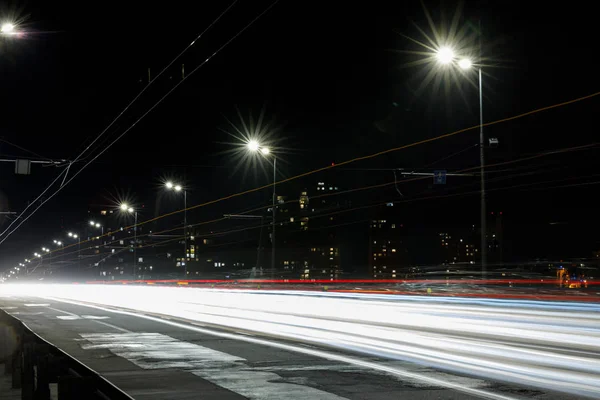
x: 550, y: 345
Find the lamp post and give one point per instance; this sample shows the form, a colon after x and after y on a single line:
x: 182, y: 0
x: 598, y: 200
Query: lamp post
x: 447, y: 56
x: 254, y: 147
x: 125, y: 208
x: 78, y: 238
x: 178, y: 188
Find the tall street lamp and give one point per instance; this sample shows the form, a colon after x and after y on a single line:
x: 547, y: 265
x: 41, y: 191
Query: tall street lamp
x: 78, y: 238
x: 447, y: 56
x: 178, y: 188
x: 254, y: 147
x: 125, y: 208
x: 97, y: 225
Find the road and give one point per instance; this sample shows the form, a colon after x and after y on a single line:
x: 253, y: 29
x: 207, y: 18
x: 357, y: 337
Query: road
x: 152, y: 352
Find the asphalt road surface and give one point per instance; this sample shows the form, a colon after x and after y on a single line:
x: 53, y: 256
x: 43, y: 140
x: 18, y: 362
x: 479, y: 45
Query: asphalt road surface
x: 157, y: 357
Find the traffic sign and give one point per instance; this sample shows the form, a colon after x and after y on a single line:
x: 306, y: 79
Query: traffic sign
x: 439, y: 177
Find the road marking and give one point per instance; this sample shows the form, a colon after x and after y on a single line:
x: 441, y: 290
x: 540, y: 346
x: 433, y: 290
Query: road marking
x: 113, y: 326
x: 36, y: 305
x: 7, y: 308
x: 95, y: 317
x: 63, y: 312
x: 392, y: 370
x: 71, y: 317
x: 157, y: 351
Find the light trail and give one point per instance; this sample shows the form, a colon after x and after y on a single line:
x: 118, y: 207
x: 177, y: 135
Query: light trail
x: 551, y: 345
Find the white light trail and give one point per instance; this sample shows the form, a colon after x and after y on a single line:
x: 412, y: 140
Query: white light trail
x: 549, y: 345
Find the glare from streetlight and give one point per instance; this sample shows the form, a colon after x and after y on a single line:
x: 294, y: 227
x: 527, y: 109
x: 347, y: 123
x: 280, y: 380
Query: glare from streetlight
x: 92, y: 223
x: 70, y: 234
x: 445, y: 55
x: 253, y: 145
x: 59, y: 243
x: 97, y: 225
x: 75, y: 236
x: 265, y: 150
x: 169, y: 185
x: 177, y: 188
x: 7, y: 27
x: 55, y: 241
x: 465, y: 63
x: 124, y: 206
x: 130, y: 209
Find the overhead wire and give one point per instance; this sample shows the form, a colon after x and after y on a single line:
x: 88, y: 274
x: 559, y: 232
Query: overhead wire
x: 142, y: 116
x: 369, y: 187
x: 330, y: 213
x: 373, y: 155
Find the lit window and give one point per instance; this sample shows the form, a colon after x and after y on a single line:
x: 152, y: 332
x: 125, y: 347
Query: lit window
x: 393, y: 250
x: 393, y: 226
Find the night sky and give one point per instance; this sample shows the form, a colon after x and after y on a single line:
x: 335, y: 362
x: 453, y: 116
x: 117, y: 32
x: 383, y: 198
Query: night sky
x: 335, y: 80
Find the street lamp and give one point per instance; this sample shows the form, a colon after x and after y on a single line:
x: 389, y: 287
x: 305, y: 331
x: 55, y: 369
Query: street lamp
x: 254, y: 146
x: 126, y: 208
x: 178, y: 188
x: 76, y: 236
x: 7, y: 28
x: 445, y: 55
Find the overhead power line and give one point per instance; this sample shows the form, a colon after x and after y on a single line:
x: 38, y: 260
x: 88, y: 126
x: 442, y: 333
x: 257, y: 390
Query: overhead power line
x: 390, y: 150
x: 65, y: 183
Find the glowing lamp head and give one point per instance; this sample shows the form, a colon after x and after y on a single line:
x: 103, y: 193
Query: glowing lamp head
x: 445, y: 55
x: 465, y: 63
x: 7, y: 27
x: 177, y: 188
x: 253, y: 145
x: 169, y: 185
x: 124, y: 206
x: 265, y: 150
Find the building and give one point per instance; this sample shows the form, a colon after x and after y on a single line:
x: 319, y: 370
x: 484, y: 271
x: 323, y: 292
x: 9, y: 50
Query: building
x: 388, y: 255
x: 459, y: 249
x: 308, y: 245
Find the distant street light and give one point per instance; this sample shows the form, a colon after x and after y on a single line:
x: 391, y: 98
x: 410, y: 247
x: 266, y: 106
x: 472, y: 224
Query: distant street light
x: 254, y: 146
x: 126, y: 208
x: 178, y: 188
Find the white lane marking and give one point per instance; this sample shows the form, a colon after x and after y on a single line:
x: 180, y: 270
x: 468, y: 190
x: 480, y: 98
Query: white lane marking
x: 396, y: 371
x: 71, y: 317
x: 95, y: 317
x: 36, y: 305
x: 157, y: 351
x: 118, y: 328
x: 7, y: 308
x: 63, y: 312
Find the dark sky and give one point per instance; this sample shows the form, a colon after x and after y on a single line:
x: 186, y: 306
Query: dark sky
x: 336, y: 79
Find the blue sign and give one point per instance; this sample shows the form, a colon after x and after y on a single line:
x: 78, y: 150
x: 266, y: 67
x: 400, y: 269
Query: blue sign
x: 439, y: 177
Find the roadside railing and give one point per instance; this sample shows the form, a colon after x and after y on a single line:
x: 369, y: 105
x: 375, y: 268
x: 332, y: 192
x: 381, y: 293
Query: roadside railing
x: 36, y: 364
